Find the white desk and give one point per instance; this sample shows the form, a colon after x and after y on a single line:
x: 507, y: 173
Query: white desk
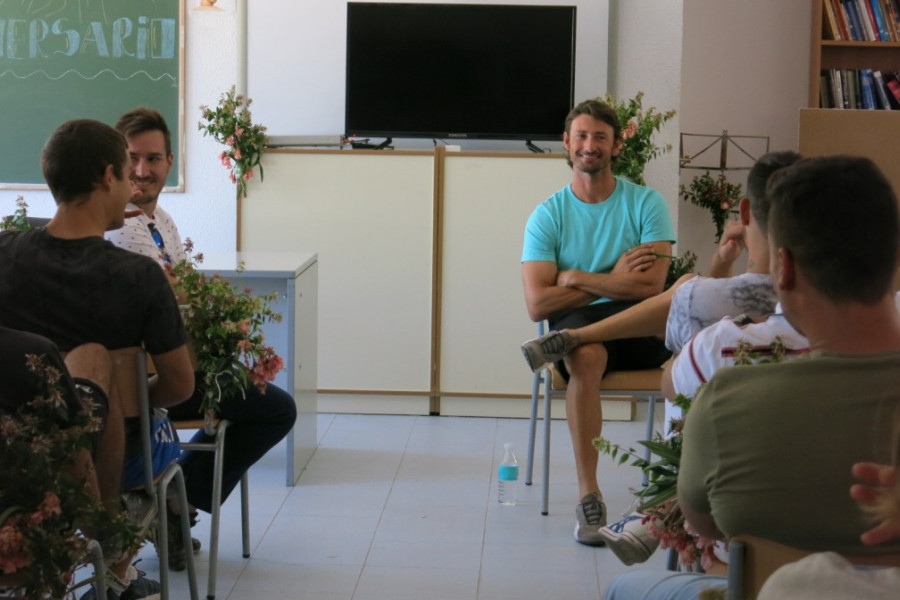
x: 294, y: 276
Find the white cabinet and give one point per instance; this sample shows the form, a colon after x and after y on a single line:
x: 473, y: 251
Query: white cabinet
x: 420, y: 295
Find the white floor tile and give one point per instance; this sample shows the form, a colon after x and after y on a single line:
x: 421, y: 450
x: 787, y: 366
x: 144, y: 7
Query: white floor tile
x: 405, y: 507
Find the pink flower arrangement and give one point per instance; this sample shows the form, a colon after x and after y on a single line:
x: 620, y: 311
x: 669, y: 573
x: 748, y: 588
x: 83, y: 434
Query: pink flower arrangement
x: 45, y: 509
x: 717, y: 195
x: 225, y: 327
x: 231, y: 124
x: 639, y: 126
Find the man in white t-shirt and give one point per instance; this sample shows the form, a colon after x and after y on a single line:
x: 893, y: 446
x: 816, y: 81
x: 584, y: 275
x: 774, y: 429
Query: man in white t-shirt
x: 716, y: 347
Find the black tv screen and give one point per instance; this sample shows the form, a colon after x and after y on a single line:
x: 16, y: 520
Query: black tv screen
x: 459, y: 70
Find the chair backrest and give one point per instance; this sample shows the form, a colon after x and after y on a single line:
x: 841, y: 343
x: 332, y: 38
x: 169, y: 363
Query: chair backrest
x: 751, y: 560
x: 132, y: 387
x: 130, y: 379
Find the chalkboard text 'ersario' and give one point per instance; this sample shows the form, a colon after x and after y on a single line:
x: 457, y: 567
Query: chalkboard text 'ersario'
x: 143, y: 38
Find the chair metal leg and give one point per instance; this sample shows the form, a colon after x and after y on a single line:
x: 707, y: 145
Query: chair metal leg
x: 218, y: 449
x: 651, y: 404
x: 173, y: 472
x: 245, y: 513
x: 216, y: 514
x: 532, y: 426
x: 736, y: 550
x: 671, y: 560
x: 548, y: 396
x: 95, y: 552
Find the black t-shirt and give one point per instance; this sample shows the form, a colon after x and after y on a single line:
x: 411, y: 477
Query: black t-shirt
x: 18, y: 385
x: 86, y: 290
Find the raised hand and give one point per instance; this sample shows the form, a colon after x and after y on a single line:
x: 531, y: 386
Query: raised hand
x: 876, y: 481
x: 639, y: 258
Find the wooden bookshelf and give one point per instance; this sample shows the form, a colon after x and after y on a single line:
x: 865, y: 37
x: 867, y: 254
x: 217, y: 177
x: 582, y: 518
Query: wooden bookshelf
x: 872, y: 133
x: 841, y: 54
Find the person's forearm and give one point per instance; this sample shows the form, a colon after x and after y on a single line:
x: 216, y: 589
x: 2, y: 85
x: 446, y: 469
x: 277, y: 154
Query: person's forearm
x: 615, y: 286
x: 550, y: 300
x: 702, y: 523
x: 719, y: 267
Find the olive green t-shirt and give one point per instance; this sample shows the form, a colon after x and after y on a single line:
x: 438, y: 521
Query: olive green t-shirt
x: 768, y: 448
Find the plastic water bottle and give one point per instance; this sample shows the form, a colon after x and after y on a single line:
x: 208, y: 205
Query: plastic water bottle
x: 508, y: 476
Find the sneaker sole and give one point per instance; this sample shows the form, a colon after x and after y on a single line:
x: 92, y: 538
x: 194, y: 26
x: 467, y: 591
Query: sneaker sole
x: 589, y: 542
x: 628, y: 548
x: 534, y: 368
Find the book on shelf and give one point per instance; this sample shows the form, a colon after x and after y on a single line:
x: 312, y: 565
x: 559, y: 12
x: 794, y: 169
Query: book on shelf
x: 892, y: 80
x: 867, y: 19
x: 840, y: 18
x: 831, y: 30
x: 825, y: 94
x: 849, y: 82
x: 853, y: 22
x: 844, y: 87
x: 867, y: 84
x: 837, y: 92
x: 883, y: 34
x: 881, y: 90
x: 892, y: 16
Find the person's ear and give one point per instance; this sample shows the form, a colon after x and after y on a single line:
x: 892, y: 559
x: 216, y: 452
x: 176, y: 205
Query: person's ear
x: 786, y: 269
x: 617, y: 146
x: 744, y: 211
x: 109, y: 176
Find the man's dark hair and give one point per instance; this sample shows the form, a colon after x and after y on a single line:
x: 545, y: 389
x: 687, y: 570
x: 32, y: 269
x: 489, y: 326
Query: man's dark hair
x: 759, y: 175
x: 143, y: 119
x: 837, y: 216
x: 600, y: 111
x: 76, y: 155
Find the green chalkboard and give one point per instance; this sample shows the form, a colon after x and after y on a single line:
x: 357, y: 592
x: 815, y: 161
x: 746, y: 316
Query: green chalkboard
x: 72, y: 59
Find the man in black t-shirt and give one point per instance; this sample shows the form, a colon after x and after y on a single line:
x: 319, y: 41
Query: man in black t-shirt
x: 65, y: 282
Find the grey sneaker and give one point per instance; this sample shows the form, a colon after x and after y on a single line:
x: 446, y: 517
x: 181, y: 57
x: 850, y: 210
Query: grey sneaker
x: 177, y: 557
x: 590, y: 517
x: 548, y: 348
x: 630, y: 539
x: 140, y: 507
x: 140, y: 588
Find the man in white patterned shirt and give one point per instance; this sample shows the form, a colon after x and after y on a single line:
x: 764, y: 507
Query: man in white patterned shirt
x: 153, y: 233
x: 258, y: 421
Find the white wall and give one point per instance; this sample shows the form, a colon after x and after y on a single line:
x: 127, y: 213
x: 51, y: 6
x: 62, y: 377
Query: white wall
x: 745, y: 69
x: 645, y: 55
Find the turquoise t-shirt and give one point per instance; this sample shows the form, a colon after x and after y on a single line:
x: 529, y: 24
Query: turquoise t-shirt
x: 591, y: 237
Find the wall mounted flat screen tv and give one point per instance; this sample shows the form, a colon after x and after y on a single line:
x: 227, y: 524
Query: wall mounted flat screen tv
x: 459, y: 70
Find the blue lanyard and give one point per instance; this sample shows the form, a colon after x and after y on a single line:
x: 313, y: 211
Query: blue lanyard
x: 157, y: 237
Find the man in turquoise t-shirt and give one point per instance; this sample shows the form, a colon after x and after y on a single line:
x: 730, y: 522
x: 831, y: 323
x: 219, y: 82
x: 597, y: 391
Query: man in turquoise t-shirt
x: 591, y: 250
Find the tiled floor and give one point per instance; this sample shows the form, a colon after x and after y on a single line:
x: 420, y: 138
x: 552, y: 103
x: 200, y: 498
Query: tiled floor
x: 405, y: 507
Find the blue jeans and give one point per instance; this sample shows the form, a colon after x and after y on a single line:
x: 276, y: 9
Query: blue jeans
x: 649, y: 584
x: 258, y: 422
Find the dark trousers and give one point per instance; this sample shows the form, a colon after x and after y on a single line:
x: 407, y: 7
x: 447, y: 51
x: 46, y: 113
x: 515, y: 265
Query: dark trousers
x: 258, y: 422
x: 622, y: 355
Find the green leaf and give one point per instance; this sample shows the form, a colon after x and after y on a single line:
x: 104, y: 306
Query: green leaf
x: 658, y: 499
